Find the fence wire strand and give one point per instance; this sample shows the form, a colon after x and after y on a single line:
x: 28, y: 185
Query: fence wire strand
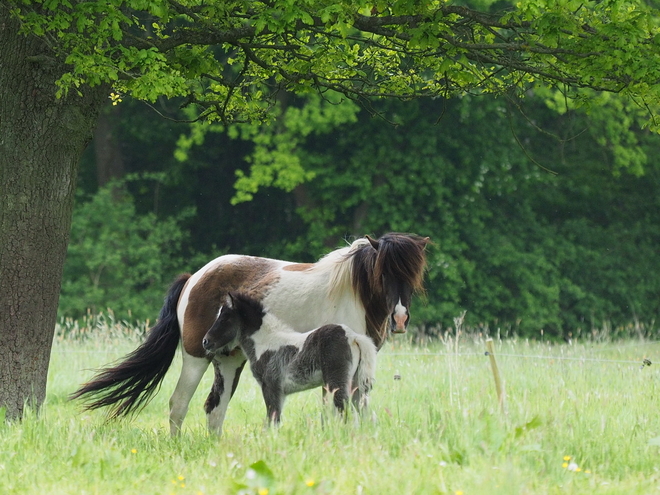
x: 642, y: 362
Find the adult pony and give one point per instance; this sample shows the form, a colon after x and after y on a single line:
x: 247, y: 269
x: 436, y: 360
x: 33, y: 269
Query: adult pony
x: 367, y: 286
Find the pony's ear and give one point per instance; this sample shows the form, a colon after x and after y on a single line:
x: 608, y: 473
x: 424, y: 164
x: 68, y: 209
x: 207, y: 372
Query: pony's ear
x: 374, y: 243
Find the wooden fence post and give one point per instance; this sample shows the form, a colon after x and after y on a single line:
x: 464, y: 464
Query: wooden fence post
x: 496, y: 372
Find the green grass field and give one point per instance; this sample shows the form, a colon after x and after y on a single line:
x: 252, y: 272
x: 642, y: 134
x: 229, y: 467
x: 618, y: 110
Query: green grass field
x: 578, y: 419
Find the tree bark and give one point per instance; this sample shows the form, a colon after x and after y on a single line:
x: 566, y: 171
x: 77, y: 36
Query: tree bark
x: 41, y: 141
x: 107, y: 148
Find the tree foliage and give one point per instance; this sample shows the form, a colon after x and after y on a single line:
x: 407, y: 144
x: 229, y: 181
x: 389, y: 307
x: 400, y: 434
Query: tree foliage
x: 231, y: 58
x: 516, y: 247
x: 120, y: 260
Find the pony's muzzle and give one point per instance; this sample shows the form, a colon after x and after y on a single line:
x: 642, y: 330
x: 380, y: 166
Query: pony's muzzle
x: 400, y: 323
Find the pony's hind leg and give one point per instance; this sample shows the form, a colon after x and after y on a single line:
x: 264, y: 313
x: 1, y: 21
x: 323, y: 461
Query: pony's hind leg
x: 192, y: 371
x: 359, y: 398
x: 338, y: 387
x: 362, y: 372
x: 227, y: 373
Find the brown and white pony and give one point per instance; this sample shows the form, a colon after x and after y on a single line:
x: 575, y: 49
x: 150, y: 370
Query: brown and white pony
x: 367, y: 286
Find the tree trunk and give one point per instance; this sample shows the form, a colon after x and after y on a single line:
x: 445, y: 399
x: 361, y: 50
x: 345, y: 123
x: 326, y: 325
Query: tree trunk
x: 107, y: 148
x: 41, y: 141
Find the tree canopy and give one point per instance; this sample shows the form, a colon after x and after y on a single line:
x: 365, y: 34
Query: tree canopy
x: 231, y: 58
x: 519, y: 249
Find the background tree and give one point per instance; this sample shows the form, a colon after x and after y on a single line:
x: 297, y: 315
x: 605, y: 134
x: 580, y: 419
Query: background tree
x: 230, y: 60
x: 518, y: 248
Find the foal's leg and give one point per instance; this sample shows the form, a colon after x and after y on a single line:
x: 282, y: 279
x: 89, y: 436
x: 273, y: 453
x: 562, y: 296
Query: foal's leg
x: 271, y: 388
x: 227, y: 373
x: 337, y: 370
x: 274, y: 400
x: 337, y: 384
x: 192, y: 371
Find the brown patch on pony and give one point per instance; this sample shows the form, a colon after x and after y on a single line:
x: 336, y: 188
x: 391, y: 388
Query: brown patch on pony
x: 394, y: 257
x: 298, y: 267
x: 248, y: 274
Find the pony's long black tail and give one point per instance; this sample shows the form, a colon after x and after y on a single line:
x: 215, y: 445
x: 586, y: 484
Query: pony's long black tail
x: 130, y: 385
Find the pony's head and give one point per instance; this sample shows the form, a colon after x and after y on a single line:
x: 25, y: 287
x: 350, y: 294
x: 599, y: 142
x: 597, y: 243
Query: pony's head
x: 239, y: 315
x: 385, y: 274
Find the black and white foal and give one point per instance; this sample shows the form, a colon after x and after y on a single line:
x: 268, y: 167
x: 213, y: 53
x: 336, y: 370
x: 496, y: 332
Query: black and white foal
x: 284, y: 361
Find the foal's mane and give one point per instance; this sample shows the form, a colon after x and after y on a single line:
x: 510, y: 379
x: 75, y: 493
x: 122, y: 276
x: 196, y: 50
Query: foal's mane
x: 366, y: 264
x: 251, y: 310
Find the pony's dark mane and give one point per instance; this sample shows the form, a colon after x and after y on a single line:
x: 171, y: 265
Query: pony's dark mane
x: 399, y: 257
x: 402, y: 257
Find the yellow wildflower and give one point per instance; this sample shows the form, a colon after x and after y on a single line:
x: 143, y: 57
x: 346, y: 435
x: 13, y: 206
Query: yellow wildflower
x: 310, y: 482
x: 263, y: 491
x: 567, y: 457
x: 133, y: 451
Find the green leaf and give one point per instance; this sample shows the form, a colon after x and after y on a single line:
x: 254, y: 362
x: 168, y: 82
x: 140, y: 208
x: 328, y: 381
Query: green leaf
x: 306, y: 18
x: 535, y: 422
x: 259, y: 476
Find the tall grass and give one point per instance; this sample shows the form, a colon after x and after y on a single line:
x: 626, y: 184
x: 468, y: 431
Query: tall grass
x: 579, y: 418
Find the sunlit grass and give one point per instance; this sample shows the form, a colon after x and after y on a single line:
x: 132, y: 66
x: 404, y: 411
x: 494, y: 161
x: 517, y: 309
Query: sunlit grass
x: 585, y: 425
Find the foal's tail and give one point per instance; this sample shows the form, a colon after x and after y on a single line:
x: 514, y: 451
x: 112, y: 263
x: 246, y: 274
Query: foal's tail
x: 366, y: 370
x: 130, y: 385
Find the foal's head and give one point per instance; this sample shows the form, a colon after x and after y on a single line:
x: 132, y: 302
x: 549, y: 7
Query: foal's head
x: 239, y: 315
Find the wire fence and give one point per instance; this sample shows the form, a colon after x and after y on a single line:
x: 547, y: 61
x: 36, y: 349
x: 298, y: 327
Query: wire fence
x: 642, y: 362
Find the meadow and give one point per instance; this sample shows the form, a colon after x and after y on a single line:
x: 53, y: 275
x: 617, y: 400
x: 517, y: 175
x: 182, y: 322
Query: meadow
x: 579, y: 418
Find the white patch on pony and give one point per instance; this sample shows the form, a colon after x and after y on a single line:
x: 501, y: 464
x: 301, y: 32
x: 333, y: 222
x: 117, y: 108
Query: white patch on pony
x: 300, y: 298
x: 274, y: 334
x: 400, y: 317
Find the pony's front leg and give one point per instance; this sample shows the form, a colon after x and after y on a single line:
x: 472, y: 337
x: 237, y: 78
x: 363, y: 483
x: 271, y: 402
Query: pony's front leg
x: 227, y: 373
x: 274, y: 400
x: 274, y: 411
x: 192, y: 371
